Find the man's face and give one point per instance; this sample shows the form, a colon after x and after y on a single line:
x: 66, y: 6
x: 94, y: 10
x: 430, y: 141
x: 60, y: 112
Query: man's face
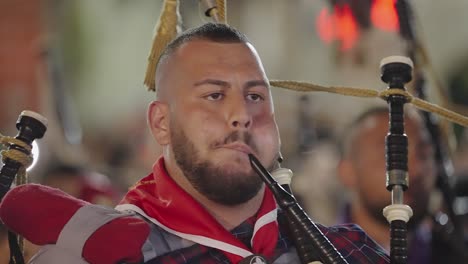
x: 220, y: 111
x: 369, y: 165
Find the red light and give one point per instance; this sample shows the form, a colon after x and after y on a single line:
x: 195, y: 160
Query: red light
x: 339, y: 25
x: 326, y: 26
x: 347, y: 30
x: 384, y: 15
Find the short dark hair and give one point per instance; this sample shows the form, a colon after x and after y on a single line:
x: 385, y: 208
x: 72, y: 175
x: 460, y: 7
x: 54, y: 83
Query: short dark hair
x: 215, y: 32
x: 354, y: 127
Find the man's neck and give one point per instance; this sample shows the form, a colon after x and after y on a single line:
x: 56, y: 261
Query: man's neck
x: 228, y: 216
x: 377, y: 230
x: 374, y: 228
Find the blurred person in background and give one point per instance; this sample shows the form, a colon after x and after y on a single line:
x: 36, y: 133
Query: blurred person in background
x: 362, y: 170
x: 82, y: 183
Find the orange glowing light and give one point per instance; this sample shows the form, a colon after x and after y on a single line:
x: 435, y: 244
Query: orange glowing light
x: 339, y: 25
x: 347, y: 29
x: 384, y: 15
x: 325, y: 26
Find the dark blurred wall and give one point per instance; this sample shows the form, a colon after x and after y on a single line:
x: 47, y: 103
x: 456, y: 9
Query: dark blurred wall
x: 21, y: 60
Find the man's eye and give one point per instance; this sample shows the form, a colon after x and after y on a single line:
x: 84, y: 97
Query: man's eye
x: 214, y: 96
x: 255, y: 97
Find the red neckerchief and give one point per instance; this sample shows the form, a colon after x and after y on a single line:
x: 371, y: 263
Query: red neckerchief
x: 162, y: 201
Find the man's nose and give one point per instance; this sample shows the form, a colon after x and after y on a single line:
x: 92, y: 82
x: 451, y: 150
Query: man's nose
x: 240, y: 116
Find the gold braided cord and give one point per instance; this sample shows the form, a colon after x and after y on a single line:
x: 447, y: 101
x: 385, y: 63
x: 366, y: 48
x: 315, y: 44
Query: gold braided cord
x: 166, y: 30
x: 13, y: 154
x: 8, y: 141
x: 446, y: 130
x: 221, y: 10
x: 447, y: 114
x: 422, y: 60
x: 22, y: 158
x: 386, y: 93
x: 425, y: 61
x: 428, y: 107
x: 309, y: 87
x: 459, y: 108
x: 361, y: 92
x: 18, y: 156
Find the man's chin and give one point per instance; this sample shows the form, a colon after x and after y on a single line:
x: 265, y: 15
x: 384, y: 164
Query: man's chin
x: 238, y: 171
x: 231, y: 186
x: 234, y: 163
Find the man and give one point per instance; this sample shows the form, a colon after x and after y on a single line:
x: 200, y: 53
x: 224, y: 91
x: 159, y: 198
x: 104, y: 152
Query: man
x: 203, y: 201
x: 213, y: 108
x: 362, y: 170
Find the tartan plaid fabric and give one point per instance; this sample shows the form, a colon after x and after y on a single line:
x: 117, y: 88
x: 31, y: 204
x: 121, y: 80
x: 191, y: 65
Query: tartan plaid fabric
x: 350, y: 240
x: 354, y: 244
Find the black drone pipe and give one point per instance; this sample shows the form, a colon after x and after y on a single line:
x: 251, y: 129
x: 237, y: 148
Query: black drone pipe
x: 30, y: 126
x: 452, y: 232
x: 396, y: 72
x: 317, y: 244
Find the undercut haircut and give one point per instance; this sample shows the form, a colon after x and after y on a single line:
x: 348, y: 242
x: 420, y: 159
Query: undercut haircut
x: 215, y: 32
x: 354, y: 129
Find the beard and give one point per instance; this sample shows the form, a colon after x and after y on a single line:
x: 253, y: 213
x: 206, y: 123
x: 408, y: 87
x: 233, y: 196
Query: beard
x: 215, y: 182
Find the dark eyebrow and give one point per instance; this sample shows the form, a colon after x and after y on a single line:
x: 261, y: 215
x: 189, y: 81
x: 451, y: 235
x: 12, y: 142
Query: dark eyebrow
x: 213, y: 82
x: 254, y: 83
x: 225, y: 84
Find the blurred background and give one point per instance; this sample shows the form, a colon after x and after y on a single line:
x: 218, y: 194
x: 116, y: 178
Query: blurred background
x: 82, y: 63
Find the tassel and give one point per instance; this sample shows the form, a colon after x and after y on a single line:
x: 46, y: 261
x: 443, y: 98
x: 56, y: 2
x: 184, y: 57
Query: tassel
x: 221, y: 10
x: 166, y: 30
x: 216, y: 10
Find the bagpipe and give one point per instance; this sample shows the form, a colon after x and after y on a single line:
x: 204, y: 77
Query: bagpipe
x: 56, y: 214
x: 312, y: 245
x: 30, y: 126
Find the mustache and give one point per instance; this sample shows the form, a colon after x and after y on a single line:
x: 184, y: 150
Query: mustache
x: 237, y: 136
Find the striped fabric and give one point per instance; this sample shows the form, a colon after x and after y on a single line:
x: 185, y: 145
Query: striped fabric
x: 352, y: 242
x: 182, y: 232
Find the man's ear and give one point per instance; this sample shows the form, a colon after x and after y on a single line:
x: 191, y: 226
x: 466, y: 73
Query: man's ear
x: 158, y: 121
x: 347, y: 173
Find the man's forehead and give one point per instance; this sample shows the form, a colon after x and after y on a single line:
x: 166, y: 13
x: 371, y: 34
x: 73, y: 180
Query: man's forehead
x: 202, y: 52
x: 204, y: 47
x: 374, y: 122
x: 208, y: 57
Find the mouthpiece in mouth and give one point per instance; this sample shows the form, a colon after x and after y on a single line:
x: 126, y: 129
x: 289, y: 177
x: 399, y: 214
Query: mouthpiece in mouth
x: 260, y: 170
